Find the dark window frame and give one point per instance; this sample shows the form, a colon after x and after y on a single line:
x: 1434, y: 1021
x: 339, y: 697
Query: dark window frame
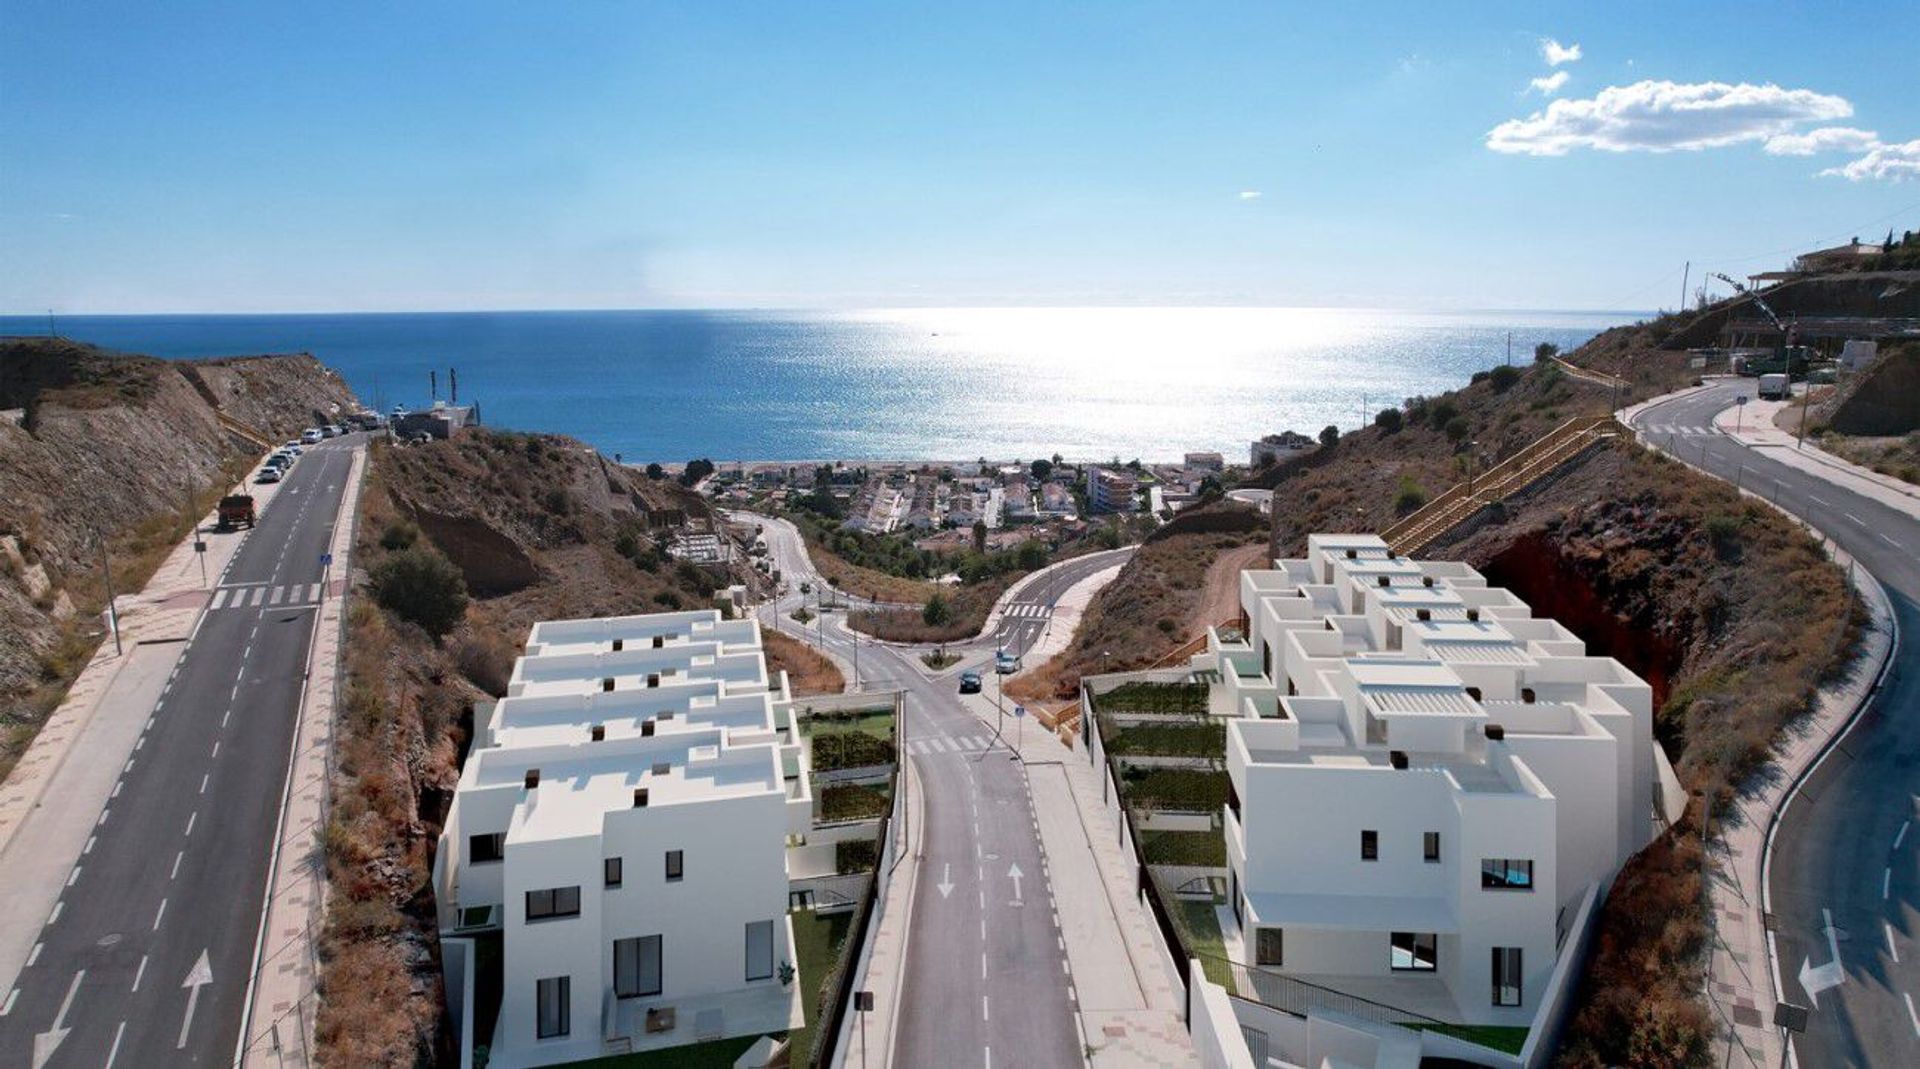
x: 563, y: 1026
x: 612, y: 871
x: 1511, y: 969
x: 1369, y: 845
x: 1278, y: 958
x: 553, y: 903
x: 748, y: 948
x: 1413, y: 941
x: 676, y: 865
x: 638, y: 988
x: 1497, y: 874
x: 1430, y: 847
x: 496, y: 851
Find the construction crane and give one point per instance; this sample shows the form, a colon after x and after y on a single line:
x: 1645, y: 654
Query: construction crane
x: 1755, y: 298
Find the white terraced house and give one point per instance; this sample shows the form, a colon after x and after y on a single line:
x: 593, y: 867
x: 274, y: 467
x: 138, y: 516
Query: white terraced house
x: 1429, y: 786
x: 621, y: 828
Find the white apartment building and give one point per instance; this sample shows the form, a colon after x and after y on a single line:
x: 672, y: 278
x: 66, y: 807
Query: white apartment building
x: 621, y: 828
x: 1428, y: 783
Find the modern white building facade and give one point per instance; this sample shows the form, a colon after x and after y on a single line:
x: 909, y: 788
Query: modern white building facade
x: 1427, y: 781
x: 621, y: 827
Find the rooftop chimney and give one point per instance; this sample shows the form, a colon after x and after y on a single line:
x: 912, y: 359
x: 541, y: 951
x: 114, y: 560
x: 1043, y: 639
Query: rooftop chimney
x: 1474, y: 693
x: 659, y: 641
x: 619, y: 644
x: 1352, y: 553
x: 1527, y: 695
x: 1398, y: 759
x: 661, y: 768
x: 533, y: 778
x: 598, y: 733
x: 1474, y: 615
x: 653, y: 679
x: 1426, y: 580
x: 1495, y: 732
x: 606, y: 684
x: 639, y: 797
x: 1385, y: 581
x: 646, y: 728
x: 1423, y: 615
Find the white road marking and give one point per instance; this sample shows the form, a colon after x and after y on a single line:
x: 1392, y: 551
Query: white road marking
x: 34, y: 954
x: 191, y: 817
x: 159, y: 914
x: 115, y: 1049
x: 7, y: 1007
x: 1902, y: 837
x: 1818, y: 501
x: 116, y: 788
x: 103, y: 817
x: 177, y: 858
x: 1854, y: 518
x: 1891, y: 949
x: 200, y: 976
x: 1888, y: 541
x: 984, y: 1014
x: 216, y: 749
x: 1886, y: 882
x: 88, y: 849
x: 1911, y: 1015
x: 44, y: 1043
x: 141, y: 971
x: 203, y: 782
x: 55, y: 915
x: 74, y: 876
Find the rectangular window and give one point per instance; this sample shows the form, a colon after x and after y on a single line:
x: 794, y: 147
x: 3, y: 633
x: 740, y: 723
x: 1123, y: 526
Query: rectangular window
x: 611, y: 867
x: 553, y: 1006
x: 760, y: 950
x: 676, y: 865
x: 1369, y: 846
x: 636, y: 966
x: 1506, y: 874
x: 1414, y: 951
x: 1233, y: 894
x: 553, y: 902
x: 489, y: 847
x: 1430, y: 846
x: 1506, y: 976
x: 1269, y: 947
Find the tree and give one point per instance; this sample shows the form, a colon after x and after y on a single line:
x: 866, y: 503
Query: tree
x: 979, y: 536
x: 1545, y: 351
x: 696, y: 471
x: 422, y: 587
x: 1211, y: 490
x: 1041, y: 469
x: 1503, y: 377
x: 1329, y: 436
x: 936, y: 612
x: 1441, y: 413
x: 1457, y: 428
x: 1389, y: 420
x: 656, y: 472
x: 1031, y: 556
x: 823, y: 501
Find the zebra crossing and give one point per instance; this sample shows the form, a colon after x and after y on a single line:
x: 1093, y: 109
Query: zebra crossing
x: 940, y: 744
x: 265, y: 596
x: 1026, y: 610
x: 1668, y: 430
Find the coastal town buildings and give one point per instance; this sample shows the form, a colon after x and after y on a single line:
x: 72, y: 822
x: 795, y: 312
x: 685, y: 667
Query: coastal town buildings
x: 619, y: 836
x: 1430, y: 787
x: 1112, y: 490
x: 1275, y: 448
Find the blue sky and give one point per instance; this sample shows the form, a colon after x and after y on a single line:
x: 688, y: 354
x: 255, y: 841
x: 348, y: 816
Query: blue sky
x: 270, y: 157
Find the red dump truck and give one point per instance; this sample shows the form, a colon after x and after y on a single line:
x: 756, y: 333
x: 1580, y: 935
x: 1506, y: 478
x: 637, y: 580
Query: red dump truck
x: 236, y: 510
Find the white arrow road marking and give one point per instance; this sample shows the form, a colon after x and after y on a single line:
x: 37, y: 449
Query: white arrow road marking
x: 1817, y: 979
x: 200, y: 976
x: 46, y: 1042
x: 1014, y: 874
x: 946, y: 881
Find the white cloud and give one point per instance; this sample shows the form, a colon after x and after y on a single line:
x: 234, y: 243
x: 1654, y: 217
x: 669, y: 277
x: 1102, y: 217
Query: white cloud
x: 1555, y: 53
x: 1660, y: 116
x: 1824, y: 139
x: 1895, y: 162
x: 1249, y: 194
x: 1550, y: 84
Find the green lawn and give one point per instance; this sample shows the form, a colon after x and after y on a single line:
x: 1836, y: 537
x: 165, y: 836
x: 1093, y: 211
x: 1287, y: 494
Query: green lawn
x: 1200, y: 739
x: 853, y: 801
x: 1500, y: 1037
x: 1202, y: 848
x: 1200, y: 928
x: 816, y: 942
x: 875, y: 722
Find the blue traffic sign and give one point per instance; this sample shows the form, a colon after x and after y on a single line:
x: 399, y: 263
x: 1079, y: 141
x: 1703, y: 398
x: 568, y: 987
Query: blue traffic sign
x: 326, y: 559
x: 1019, y: 710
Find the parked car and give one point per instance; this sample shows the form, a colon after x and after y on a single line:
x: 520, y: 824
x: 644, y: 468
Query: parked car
x: 293, y: 448
x: 1006, y: 663
x: 268, y: 474
x: 328, y: 431
x: 236, y: 510
x: 969, y: 682
x: 281, y: 459
x: 311, y: 435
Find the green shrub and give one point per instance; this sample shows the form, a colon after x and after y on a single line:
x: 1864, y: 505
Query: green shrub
x: 936, y: 612
x: 858, y: 855
x: 1208, y: 848
x: 1188, y: 790
x: 400, y: 534
x: 1457, y: 428
x: 1503, y: 377
x: 834, y: 750
x: 853, y: 801
x: 422, y: 587
x: 1411, y: 496
x: 1389, y: 420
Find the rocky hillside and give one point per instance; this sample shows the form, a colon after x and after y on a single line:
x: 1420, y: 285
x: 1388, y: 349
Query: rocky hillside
x: 533, y: 527
x: 99, y: 444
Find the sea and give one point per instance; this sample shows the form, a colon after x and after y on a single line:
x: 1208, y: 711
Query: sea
x: 901, y: 384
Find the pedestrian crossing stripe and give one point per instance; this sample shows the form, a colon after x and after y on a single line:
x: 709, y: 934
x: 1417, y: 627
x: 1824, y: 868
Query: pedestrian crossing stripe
x: 262, y: 595
x: 1663, y: 430
x: 1026, y: 610
x: 941, y: 744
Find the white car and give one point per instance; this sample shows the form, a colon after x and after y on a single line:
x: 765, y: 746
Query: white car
x: 268, y: 474
x: 311, y: 435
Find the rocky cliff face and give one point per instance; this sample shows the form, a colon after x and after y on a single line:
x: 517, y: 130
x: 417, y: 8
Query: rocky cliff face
x: 105, y: 446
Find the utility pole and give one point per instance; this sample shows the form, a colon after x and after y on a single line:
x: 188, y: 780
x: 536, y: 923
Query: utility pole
x: 453, y: 386
x: 1509, y: 348
x: 113, y: 609
x: 1686, y: 273
x: 1806, y: 402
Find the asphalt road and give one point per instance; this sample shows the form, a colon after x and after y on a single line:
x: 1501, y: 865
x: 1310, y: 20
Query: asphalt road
x: 146, y: 957
x: 1845, y: 863
x: 986, y: 969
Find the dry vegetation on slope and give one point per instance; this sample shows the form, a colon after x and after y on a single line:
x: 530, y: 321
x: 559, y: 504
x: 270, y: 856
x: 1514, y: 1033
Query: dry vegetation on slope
x: 538, y: 527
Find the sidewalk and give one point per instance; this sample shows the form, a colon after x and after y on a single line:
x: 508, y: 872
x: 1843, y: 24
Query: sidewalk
x: 277, y: 1026
x: 1742, y: 980
x: 1754, y: 427
x: 1132, y: 1004
x: 100, y: 717
x: 885, y: 964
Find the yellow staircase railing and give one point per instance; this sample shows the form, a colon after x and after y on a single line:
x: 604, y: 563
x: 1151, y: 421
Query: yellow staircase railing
x: 1516, y: 473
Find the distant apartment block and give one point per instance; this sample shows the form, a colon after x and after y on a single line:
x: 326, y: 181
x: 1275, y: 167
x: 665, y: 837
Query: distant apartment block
x: 1112, y: 490
x: 1275, y: 448
x: 1204, y: 461
x: 1429, y: 786
x: 619, y: 834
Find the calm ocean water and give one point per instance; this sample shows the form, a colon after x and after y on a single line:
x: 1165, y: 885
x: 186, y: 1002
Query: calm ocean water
x: 1089, y: 383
